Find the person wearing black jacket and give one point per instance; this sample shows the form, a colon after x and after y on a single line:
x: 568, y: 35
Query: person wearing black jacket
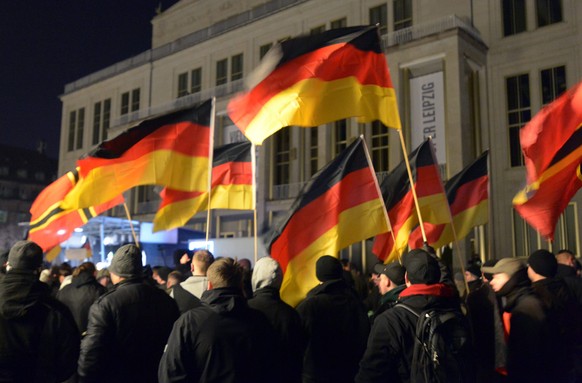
x: 39, y: 341
x: 335, y: 324
x: 81, y: 293
x: 523, y: 321
x: 128, y: 326
x: 266, y: 282
x: 390, y: 347
x: 223, y: 341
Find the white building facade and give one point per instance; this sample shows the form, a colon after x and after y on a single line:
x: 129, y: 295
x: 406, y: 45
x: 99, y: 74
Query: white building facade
x: 468, y: 73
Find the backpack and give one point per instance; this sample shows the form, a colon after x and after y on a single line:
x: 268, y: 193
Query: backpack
x: 442, y: 348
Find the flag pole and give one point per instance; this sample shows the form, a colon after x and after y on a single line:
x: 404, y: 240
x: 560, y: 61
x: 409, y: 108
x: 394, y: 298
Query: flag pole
x: 210, y: 159
x: 130, y: 223
x: 412, y: 188
x: 489, y: 208
x: 255, y: 224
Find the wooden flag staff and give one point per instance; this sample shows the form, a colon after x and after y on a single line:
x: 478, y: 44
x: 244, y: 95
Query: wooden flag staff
x: 254, y: 167
x: 210, y: 159
x: 130, y: 224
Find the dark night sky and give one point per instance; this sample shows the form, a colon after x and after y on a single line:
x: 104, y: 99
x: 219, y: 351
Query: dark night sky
x: 45, y: 44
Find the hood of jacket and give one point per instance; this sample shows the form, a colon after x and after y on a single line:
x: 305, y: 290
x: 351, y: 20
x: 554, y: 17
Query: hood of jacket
x: 83, y: 279
x: 19, y: 292
x: 222, y: 300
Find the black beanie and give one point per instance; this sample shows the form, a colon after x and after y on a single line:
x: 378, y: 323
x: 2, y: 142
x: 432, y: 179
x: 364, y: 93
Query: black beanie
x: 328, y: 268
x: 474, y: 269
x: 543, y: 262
x: 25, y: 255
x: 127, y: 262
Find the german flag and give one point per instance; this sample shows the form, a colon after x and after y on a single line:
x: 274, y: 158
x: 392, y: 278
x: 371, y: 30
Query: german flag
x: 468, y: 198
x: 172, y: 150
x: 542, y: 202
x: 312, y: 80
x: 552, y: 150
x: 50, y: 224
x: 232, y: 188
x: 399, y: 201
x: 339, y: 206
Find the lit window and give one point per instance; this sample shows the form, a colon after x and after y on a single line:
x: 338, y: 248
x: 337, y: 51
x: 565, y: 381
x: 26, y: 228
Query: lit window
x: 518, y: 113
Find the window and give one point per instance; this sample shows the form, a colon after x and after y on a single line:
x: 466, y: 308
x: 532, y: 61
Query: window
x: 21, y: 173
x: 548, y: 12
x: 313, y: 151
x: 4, y: 170
x: 196, y: 80
x: 402, y: 14
x: 39, y: 176
x: 221, y: 72
x: 379, y: 15
x: 339, y: 23
x: 236, y: 67
x: 135, y: 95
x: 513, y: 17
x: 263, y: 49
x: 130, y: 101
x: 72, y: 124
x: 379, y: 149
x: 80, y: 127
x: 182, y: 84
x: 553, y: 83
x: 317, y: 30
x: 76, y: 127
x: 101, y: 120
x: 340, y: 136
x: 518, y: 113
x: 282, y: 156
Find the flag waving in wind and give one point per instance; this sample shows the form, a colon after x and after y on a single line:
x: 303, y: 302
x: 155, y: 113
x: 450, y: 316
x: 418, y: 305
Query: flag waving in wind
x: 552, y: 148
x: 50, y: 224
x: 171, y: 150
x: 232, y: 188
x: 468, y: 198
x: 339, y: 206
x: 399, y: 201
x: 312, y: 80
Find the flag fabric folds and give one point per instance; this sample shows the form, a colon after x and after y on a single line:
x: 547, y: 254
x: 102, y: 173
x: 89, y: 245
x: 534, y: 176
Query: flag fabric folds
x: 468, y: 198
x: 232, y: 188
x: 312, y: 80
x: 50, y: 223
x: 399, y: 201
x: 550, y: 143
x: 542, y: 202
x: 339, y: 206
x: 171, y: 150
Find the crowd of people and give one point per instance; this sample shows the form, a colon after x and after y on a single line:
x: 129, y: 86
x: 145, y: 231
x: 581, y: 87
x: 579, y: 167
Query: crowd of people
x: 221, y: 320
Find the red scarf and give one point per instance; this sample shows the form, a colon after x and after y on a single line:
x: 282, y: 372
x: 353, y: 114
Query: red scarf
x: 437, y: 289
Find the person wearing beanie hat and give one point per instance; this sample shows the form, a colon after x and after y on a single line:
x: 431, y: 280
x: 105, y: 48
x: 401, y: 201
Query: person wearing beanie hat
x: 563, y: 314
x: 266, y: 282
x: 224, y: 340
x: 391, y: 283
x: 128, y: 326
x: 390, y: 348
x: 524, y: 319
x: 336, y: 326
x: 32, y: 322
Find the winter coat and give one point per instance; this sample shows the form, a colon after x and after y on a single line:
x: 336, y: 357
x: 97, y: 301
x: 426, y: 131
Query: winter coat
x: 388, y: 356
x: 525, y: 353
x: 387, y: 301
x: 223, y: 341
x: 184, y: 299
x: 79, y: 295
x: 39, y: 338
x: 336, y: 327
x: 195, y: 285
x: 127, y: 331
x: 290, y: 336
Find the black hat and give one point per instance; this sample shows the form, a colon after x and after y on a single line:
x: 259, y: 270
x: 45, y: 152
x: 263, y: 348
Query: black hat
x: 127, y: 262
x: 421, y: 267
x: 328, y: 268
x: 543, y: 262
x: 394, y: 271
x: 474, y: 269
x: 25, y: 255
